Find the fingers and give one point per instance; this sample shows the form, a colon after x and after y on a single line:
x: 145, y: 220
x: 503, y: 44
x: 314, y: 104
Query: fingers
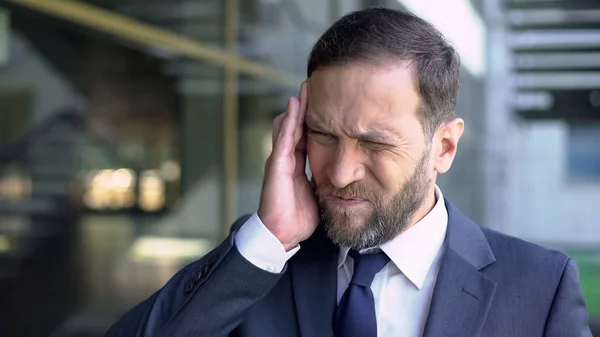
x: 300, y: 136
x: 300, y: 154
x: 288, y: 128
x: 277, y: 122
x: 285, y: 138
x: 299, y: 131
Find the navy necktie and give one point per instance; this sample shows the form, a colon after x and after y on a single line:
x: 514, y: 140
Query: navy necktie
x: 355, y: 314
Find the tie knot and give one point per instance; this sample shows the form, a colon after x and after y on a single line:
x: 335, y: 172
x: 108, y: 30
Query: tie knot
x: 366, y: 266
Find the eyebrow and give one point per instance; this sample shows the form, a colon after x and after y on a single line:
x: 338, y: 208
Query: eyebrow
x: 370, y: 135
x: 313, y: 123
x: 377, y: 136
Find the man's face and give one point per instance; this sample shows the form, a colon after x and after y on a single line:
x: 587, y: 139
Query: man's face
x: 370, y: 159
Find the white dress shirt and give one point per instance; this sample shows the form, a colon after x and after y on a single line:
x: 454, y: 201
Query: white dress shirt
x: 402, y: 289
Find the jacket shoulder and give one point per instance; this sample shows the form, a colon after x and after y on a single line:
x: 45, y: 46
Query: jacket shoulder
x: 525, y: 257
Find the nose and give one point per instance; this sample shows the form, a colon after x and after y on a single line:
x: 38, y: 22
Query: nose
x: 346, y: 166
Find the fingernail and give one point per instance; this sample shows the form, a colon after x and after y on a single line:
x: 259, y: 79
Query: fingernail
x: 290, y: 101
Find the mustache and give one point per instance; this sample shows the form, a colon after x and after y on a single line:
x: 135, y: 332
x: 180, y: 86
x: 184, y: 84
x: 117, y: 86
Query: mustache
x: 353, y: 190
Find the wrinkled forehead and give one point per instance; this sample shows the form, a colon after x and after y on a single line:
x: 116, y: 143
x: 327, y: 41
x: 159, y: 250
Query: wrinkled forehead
x: 362, y: 96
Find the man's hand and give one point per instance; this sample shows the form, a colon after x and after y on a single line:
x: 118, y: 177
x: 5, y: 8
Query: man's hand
x: 288, y: 207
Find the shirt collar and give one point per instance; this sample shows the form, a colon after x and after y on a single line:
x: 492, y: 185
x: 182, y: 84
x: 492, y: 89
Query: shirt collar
x: 414, y: 250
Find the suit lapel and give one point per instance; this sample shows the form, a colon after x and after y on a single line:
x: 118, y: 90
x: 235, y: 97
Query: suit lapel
x: 462, y: 295
x: 461, y: 299
x: 314, y: 282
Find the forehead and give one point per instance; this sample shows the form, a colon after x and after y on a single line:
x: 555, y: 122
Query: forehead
x: 362, y: 96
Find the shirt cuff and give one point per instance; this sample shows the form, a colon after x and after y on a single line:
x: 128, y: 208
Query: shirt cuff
x: 259, y: 246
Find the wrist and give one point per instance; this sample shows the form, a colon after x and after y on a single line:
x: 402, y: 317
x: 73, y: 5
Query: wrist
x: 287, y: 244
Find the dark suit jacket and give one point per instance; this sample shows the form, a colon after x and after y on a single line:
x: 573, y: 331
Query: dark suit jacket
x: 489, y: 284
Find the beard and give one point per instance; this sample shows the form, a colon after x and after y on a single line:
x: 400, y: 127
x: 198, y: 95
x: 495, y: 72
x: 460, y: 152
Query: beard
x: 383, y: 221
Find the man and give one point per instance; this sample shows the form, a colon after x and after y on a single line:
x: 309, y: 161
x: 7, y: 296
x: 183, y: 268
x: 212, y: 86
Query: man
x: 368, y: 246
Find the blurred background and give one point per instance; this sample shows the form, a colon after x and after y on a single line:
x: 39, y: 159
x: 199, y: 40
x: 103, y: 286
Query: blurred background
x: 134, y: 132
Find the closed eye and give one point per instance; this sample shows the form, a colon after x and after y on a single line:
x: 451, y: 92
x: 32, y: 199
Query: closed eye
x: 316, y: 133
x: 374, y: 145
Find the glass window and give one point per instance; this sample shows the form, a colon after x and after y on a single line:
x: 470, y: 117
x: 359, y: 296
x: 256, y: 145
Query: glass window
x: 583, y: 151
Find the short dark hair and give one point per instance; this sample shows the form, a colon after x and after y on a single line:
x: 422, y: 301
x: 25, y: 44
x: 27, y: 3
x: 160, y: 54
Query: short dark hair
x: 381, y: 35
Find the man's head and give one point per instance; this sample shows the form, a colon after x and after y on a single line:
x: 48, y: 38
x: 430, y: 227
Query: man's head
x: 380, y: 121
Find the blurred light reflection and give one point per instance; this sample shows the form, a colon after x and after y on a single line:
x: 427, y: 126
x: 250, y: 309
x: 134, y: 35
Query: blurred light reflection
x: 152, y: 191
x: 110, y: 189
x: 162, y: 248
x: 15, y: 188
x: 4, y: 243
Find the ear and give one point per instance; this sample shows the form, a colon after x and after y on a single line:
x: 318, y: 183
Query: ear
x: 447, y: 144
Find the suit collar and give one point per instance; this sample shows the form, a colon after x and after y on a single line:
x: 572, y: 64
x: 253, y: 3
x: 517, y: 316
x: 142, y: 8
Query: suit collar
x: 462, y: 295
x: 467, y: 239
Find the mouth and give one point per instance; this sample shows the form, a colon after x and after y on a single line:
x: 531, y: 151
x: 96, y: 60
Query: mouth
x: 348, y: 201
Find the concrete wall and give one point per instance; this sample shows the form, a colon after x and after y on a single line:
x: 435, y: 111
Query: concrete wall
x: 545, y: 205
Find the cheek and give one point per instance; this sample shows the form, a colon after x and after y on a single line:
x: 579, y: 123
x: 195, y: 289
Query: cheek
x: 389, y: 174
